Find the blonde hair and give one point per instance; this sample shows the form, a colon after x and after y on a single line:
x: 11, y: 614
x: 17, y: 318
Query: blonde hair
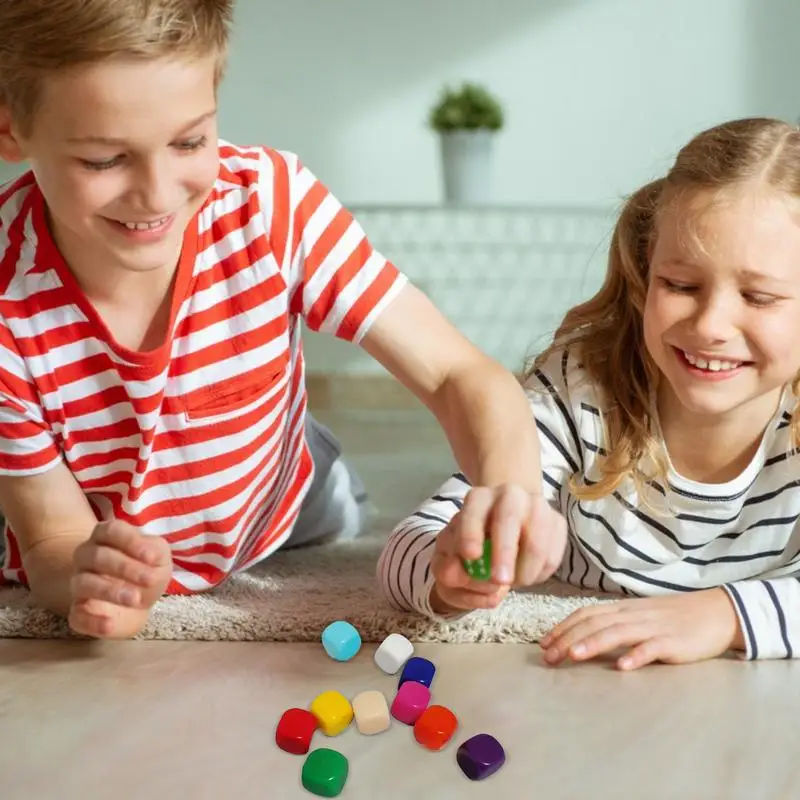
x: 40, y: 37
x: 607, y: 331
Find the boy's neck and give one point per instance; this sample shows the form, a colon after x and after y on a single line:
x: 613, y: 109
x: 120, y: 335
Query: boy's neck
x: 714, y: 449
x: 135, y: 306
x: 128, y: 289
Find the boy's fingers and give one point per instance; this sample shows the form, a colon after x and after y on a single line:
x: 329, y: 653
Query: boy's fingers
x: 449, y: 571
x: 473, y: 522
x: 468, y: 600
x: 445, y: 540
x: 104, y: 560
x: 90, y: 586
x: 554, y: 555
x: 508, y: 520
x: 83, y: 621
x: 529, y: 562
x: 543, y: 543
x: 534, y: 553
x: 131, y: 541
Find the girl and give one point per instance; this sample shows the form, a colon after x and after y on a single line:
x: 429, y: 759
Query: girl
x: 667, y: 411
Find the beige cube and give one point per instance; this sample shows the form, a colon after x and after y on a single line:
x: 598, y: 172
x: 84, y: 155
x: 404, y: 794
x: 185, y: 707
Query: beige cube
x: 371, y: 712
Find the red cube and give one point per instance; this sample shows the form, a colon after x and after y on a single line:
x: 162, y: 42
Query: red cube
x: 295, y: 729
x: 435, y: 727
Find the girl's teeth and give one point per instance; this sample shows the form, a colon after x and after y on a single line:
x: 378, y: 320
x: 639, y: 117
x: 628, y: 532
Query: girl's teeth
x: 713, y: 365
x: 144, y: 226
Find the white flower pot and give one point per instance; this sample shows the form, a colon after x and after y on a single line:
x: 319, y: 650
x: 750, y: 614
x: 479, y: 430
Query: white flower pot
x: 467, y: 166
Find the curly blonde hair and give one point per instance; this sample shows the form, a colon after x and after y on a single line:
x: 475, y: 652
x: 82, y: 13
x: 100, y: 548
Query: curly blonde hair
x: 607, y: 330
x: 40, y: 37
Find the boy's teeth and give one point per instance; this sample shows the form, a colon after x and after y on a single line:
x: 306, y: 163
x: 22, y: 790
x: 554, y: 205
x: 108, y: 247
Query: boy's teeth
x: 144, y: 226
x: 713, y: 366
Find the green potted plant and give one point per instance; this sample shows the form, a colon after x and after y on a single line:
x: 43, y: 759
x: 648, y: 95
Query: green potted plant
x: 467, y: 120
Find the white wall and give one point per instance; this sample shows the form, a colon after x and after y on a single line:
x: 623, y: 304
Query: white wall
x: 599, y: 93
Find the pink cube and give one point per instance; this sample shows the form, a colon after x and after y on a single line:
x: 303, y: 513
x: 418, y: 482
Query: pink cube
x: 411, y: 700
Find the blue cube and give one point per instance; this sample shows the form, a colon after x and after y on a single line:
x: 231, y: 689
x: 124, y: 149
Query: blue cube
x: 419, y: 670
x: 341, y: 640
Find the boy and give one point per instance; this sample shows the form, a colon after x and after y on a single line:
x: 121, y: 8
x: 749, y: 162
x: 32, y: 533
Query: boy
x: 153, y: 426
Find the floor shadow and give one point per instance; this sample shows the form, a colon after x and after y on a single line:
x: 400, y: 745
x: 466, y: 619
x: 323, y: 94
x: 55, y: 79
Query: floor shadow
x: 24, y: 652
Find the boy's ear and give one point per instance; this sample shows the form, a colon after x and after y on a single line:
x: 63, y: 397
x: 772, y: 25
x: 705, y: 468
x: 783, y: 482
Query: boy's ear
x: 10, y: 148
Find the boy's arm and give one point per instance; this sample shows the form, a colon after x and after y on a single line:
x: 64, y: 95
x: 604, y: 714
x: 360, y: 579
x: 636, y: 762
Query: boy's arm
x: 404, y: 568
x: 769, y: 616
x: 479, y: 404
x: 50, y: 517
x: 340, y: 285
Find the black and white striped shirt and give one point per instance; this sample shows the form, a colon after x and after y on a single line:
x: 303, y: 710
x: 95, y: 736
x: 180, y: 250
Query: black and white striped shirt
x: 742, y: 535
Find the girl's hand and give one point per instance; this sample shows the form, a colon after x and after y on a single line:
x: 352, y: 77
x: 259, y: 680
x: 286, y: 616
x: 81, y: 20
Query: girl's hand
x: 677, y: 629
x: 528, y: 540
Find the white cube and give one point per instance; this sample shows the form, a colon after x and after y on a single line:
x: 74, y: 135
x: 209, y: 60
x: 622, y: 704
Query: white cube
x: 393, y: 652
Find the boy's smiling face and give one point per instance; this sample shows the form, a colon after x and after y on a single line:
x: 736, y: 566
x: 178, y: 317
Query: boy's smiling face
x: 125, y: 153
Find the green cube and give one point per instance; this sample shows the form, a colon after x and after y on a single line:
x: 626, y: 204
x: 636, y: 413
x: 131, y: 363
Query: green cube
x: 480, y: 569
x: 324, y: 772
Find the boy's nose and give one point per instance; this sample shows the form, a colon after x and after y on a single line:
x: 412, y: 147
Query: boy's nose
x: 156, y: 189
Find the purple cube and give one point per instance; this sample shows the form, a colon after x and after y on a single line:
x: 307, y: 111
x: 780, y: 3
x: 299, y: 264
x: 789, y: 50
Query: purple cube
x: 480, y: 756
x: 419, y: 670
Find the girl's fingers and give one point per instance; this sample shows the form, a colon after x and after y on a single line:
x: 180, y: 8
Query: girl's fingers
x: 651, y: 650
x: 579, y: 616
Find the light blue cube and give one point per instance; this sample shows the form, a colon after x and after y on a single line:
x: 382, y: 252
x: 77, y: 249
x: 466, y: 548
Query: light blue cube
x: 341, y: 640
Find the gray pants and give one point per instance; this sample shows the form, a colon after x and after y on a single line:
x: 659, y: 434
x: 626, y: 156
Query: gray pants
x: 336, y: 506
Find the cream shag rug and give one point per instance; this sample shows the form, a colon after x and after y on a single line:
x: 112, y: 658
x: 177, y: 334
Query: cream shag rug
x: 294, y: 594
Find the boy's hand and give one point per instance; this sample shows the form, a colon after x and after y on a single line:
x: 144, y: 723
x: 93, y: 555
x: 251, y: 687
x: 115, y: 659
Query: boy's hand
x: 676, y: 629
x: 119, y: 575
x: 528, y: 540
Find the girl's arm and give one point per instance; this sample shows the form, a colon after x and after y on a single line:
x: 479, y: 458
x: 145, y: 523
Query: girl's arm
x: 769, y: 616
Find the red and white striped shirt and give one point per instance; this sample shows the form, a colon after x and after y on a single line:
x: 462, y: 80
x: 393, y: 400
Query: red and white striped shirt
x: 200, y: 441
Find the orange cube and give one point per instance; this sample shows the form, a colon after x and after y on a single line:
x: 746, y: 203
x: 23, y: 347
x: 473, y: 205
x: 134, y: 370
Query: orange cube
x: 435, y: 727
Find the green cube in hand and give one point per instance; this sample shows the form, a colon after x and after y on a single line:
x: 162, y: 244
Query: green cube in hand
x: 324, y: 772
x: 480, y: 569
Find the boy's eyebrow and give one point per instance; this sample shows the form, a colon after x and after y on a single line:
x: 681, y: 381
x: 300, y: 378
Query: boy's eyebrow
x: 118, y: 142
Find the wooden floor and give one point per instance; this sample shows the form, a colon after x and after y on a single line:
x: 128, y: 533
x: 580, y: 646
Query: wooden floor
x: 153, y: 720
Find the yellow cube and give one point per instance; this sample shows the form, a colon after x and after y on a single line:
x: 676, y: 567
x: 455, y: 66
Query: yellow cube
x: 334, y: 712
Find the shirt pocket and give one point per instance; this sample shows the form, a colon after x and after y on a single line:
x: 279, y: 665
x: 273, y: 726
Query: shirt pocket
x: 236, y: 396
